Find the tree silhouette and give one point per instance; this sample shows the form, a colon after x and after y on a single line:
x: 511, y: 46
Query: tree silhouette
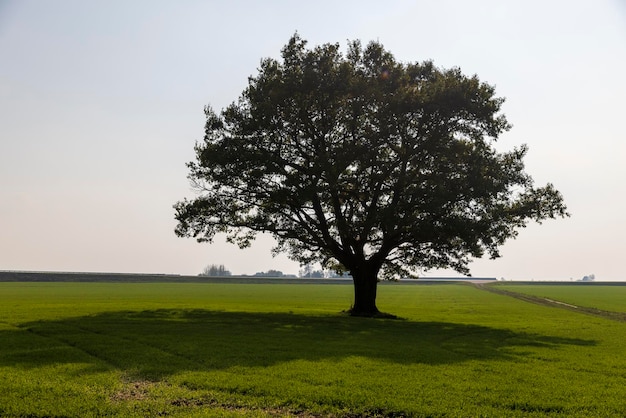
x: 364, y: 164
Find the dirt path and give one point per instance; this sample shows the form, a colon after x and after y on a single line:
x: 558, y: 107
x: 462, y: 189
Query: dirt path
x: 615, y: 316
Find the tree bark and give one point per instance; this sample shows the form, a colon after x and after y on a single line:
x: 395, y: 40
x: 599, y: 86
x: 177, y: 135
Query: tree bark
x: 365, y: 285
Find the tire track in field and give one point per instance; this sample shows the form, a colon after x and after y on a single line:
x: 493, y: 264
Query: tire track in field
x: 69, y: 343
x: 615, y: 316
x: 110, y: 337
x: 187, y: 358
x: 60, y: 341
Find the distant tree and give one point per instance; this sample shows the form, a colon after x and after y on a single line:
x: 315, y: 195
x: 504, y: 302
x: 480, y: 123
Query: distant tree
x: 360, y: 161
x: 589, y: 278
x: 317, y: 274
x: 269, y: 273
x: 309, y: 272
x: 215, y: 270
x: 306, y: 270
x: 332, y: 274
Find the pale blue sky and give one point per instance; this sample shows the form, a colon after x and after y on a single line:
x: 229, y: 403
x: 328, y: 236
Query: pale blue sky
x: 101, y: 103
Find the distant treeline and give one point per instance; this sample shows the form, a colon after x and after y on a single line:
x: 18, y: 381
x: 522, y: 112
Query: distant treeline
x: 307, y: 271
x: 24, y: 276
x: 29, y: 276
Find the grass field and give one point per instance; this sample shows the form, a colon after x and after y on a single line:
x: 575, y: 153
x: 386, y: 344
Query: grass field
x: 167, y: 349
x: 598, y: 296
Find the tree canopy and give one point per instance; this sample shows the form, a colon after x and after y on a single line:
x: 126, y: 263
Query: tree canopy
x: 366, y: 164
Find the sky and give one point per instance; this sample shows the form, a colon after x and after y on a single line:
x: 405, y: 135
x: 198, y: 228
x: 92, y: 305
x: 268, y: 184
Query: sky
x: 101, y: 103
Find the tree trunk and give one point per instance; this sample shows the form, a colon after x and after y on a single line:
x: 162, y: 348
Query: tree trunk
x: 365, y: 283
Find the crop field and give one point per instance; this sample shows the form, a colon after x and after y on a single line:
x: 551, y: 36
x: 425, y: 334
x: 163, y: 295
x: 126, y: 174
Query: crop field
x: 266, y: 350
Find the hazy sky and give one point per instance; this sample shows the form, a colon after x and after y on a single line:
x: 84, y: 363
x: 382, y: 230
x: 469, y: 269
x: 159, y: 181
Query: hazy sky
x: 101, y: 103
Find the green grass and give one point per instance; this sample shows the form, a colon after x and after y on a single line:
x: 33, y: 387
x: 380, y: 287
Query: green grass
x: 97, y: 349
x: 604, y: 297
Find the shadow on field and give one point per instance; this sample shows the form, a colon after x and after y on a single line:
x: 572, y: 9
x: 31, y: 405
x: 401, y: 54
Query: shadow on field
x: 162, y: 342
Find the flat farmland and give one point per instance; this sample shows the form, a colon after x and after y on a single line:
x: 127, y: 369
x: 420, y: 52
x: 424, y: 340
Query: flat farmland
x: 216, y: 349
x: 607, y: 297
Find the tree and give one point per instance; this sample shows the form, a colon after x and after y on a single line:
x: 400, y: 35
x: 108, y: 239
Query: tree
x: 269, y: 273
x: 589, y: 278
x: 307, y: 272
x: 357, y: 161
x: 215, y: 270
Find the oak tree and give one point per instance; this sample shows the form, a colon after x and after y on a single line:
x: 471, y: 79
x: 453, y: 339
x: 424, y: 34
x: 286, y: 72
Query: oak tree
x: 366, y: 164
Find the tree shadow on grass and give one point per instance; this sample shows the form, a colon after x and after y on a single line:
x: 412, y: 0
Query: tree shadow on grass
x: 158, y: 343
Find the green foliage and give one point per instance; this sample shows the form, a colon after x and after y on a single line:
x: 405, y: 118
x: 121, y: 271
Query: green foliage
x: 94, y: 349
x: 362, y: 162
